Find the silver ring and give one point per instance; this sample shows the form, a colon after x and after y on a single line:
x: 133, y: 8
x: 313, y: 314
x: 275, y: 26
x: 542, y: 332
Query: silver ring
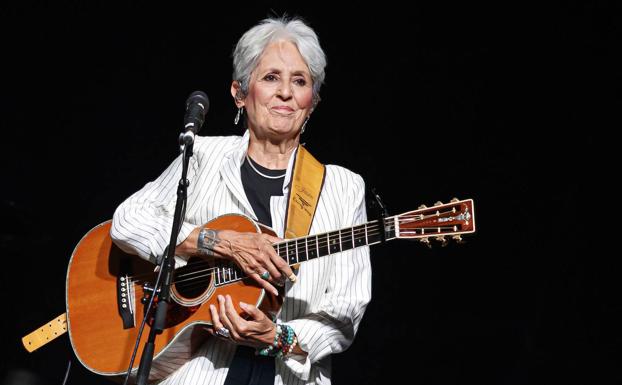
x: 223, y: 332
x: 265, y: 275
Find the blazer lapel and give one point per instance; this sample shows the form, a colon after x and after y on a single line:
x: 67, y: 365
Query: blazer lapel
x: 230, y: 173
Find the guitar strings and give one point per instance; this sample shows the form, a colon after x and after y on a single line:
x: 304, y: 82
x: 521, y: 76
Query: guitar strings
x: 371, y: 232
x: 371, y: 228
x: 317, y: 243
x: 225, y: 272
x: 228, y: 271
x: 321, y: 244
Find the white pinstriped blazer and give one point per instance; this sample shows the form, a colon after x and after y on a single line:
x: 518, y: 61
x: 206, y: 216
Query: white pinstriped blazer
x: 324, y: 306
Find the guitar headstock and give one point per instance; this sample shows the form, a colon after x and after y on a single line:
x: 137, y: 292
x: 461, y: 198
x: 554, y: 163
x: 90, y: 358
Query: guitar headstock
x: 439, y: 221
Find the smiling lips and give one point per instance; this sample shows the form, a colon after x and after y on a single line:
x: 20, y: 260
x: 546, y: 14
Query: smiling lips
x: 283, y: 110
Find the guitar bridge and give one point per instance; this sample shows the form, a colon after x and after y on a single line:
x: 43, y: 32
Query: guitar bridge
x: 125, y: 301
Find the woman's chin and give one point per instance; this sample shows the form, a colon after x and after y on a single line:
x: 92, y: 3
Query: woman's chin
x: 283, y: 130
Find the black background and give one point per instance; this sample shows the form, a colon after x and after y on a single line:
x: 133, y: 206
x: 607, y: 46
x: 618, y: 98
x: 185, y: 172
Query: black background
x: 508, y: 105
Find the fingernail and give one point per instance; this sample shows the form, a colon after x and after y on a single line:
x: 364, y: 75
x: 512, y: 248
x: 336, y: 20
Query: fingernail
x: 212, y: 307
x: 275, y: 292
x: 243, y: 304
x: 221, y: 298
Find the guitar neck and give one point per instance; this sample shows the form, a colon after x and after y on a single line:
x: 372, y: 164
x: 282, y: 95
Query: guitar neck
x: 450, y: 219
x: 303, y: 249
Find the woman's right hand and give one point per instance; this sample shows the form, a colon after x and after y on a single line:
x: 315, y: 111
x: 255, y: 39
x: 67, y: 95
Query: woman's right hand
x: 252, y: 252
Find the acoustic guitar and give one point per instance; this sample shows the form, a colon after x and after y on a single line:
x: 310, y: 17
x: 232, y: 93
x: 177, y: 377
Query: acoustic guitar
x: 106, y: 288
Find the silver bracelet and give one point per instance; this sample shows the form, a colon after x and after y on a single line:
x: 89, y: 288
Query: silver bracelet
x: 207, y: 240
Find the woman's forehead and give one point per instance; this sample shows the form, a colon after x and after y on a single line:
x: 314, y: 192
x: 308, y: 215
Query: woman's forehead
x: 282, y: 55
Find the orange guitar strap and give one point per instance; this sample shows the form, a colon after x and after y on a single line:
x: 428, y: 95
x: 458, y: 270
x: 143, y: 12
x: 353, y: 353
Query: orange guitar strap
x: 304, y: 194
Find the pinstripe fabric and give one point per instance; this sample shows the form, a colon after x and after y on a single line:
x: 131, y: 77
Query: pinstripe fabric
x: 324, y: 306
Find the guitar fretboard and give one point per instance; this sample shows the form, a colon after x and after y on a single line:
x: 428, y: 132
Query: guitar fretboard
x: 304, y: 249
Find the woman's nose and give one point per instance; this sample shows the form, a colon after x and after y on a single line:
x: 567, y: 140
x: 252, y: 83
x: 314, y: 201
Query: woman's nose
x: 284, y: 91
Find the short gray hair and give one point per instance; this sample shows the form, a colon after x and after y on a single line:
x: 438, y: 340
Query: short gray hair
x: 252, y: 44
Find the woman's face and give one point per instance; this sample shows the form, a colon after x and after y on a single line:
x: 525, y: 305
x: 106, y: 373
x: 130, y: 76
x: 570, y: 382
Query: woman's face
x: 280, y: 93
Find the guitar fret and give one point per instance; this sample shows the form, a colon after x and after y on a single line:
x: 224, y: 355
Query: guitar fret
x: 325, y: 250
x: 328, y: 243
x: 340, y: 243
x: 359, y: 237
x: 301, y: 249
x: 307, y: 248
x: 317, y: 245
x: 311, y: 251
x: 291, y: 255
x: 333, y: 247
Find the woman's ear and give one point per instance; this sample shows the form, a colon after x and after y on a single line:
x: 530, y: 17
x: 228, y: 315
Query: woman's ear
x: 236, y: 92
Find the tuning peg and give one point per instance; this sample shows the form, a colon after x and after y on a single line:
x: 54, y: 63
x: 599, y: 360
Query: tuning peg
x: 454, y: 199
x: 422, y: 207
x: 426, y: 242
x: 442, y: 240
x: 457, y: 238
x: 438, y: 203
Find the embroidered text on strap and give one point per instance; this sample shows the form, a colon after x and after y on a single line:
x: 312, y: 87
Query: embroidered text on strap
x: 304, y: 193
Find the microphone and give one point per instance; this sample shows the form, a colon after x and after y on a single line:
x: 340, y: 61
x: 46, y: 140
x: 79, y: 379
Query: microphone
x: 197, y: 105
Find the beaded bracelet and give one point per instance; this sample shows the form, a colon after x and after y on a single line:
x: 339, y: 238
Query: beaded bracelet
x: 284, y: 341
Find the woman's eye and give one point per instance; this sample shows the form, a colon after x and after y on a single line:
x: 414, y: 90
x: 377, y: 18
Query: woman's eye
x: 300, y: 82
x: 270, y: 77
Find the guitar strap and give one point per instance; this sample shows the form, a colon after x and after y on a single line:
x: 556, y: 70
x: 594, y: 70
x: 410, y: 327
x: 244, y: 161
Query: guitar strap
x: 304, y: 193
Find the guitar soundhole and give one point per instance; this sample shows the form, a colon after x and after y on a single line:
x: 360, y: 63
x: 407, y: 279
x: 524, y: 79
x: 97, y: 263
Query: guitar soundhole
x: 192, y: 280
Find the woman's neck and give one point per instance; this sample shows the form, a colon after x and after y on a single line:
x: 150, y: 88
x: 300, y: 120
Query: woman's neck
x: 271, y: 154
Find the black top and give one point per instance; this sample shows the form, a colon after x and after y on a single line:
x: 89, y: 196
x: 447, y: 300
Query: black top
x: 259, y: 189
x: 247, y: 367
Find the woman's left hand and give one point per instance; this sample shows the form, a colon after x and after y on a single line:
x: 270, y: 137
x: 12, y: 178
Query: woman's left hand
x: 257, y: 331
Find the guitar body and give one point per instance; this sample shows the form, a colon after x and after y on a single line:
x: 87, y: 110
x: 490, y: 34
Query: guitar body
x: 101, y: 279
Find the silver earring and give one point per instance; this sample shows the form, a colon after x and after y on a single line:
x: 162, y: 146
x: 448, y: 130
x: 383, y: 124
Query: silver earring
x: 237, y: 116
x: 302, y: 129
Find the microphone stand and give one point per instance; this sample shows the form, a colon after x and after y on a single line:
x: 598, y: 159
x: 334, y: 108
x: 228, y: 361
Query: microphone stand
x: 165, y: 276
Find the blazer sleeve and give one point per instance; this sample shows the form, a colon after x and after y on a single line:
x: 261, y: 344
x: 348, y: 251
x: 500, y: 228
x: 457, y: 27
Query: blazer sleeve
x: 142, y: 223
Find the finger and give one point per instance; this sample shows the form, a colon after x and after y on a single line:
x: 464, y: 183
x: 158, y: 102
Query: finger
x: 282, y: 266
x: 252, y: 311
x: 232, y: 314
x: 264, y: 284
x: 222, y: 313
x: 268, y: 262
x: 216, y: 323
x: 274, y: 257
x: 271, y: 238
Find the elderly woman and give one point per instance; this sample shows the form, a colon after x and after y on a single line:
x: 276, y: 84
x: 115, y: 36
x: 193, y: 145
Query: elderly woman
x: 278, y: 71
